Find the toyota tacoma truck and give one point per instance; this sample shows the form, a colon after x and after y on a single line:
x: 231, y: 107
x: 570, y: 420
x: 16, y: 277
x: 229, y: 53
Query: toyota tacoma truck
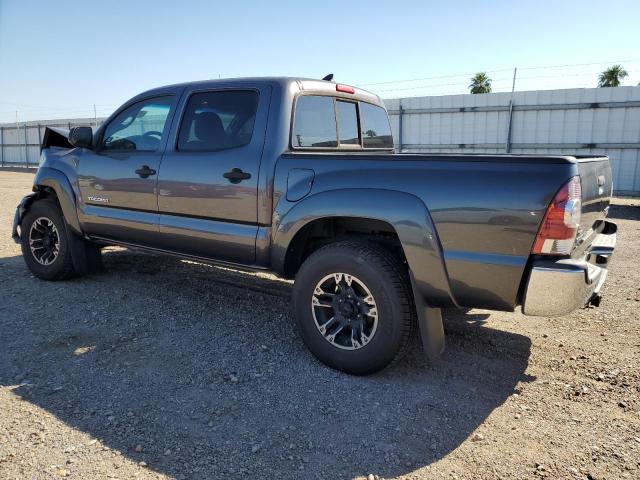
x: 299, y: 177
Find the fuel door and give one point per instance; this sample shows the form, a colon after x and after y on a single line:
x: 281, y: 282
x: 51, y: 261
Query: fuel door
x: 299, y: 183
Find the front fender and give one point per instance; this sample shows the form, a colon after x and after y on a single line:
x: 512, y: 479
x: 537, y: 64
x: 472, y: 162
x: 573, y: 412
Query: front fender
x: 59, y: 183
x: 406, y: 213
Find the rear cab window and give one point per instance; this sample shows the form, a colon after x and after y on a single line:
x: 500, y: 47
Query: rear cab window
x: 315, y: 123
x: 327, y: 122
x: 376, y: 131
x: 347, y: 115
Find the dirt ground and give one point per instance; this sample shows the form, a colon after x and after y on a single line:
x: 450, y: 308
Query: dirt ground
x: 162, y: 368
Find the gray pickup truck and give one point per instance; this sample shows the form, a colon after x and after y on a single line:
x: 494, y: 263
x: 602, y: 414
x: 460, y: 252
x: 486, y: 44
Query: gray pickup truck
x: 299, y: 177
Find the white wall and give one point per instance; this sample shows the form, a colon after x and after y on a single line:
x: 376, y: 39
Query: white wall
x: 564, y: 121
x: 12, y: 139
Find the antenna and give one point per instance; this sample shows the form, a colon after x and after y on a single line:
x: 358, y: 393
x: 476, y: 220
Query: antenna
x: 329, y: 77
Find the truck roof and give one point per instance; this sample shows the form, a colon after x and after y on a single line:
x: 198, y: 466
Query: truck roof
x: 284, y: 83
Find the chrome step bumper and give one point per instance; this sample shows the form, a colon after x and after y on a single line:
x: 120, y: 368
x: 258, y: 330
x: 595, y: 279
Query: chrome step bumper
x: 558, y: 287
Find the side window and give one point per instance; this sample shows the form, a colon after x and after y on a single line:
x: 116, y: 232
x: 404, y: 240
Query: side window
x: 139, y: 127
x: 376, y: 130
x: 315, y: 122
x: 220, y: 120
x: 347, y: 123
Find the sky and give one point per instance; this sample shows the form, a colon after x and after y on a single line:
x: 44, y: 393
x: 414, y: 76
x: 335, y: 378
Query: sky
x: 60, y: 58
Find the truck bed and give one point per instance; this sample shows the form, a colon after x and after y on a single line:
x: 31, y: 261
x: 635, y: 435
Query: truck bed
x: 486, y: 209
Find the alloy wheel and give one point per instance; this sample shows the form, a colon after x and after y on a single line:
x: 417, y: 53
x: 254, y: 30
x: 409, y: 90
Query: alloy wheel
x: 44, y: 241
x: 344, y: 311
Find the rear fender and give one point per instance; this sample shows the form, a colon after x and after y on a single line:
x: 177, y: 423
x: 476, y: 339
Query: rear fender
x: 406, y: 213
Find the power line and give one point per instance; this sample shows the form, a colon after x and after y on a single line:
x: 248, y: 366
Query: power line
x: 67, y: 107
x: 433, y: 78
x: 418, y: 87
x: 579, y: 64
x: 589, y: 74
x: 538, y: 67
x: 457, y: 81
x: 498, y: 80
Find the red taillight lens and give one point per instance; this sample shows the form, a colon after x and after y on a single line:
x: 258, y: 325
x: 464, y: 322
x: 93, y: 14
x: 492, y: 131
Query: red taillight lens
x: 345, y: 89
x: 559, y: 227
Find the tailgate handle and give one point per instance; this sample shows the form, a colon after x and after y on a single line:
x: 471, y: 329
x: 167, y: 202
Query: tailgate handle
x: 600, y: 180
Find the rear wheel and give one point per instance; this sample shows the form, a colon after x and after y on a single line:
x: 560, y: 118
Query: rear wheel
x: 45, y: 247
x: 353, y: 306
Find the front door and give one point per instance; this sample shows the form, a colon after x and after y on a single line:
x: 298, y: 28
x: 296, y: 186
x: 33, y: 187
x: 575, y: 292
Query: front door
x: 118, y: 180
x: 208, y: 183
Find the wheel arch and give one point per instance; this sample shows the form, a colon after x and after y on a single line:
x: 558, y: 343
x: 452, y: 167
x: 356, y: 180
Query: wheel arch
x: 50, y: 182
x: 316, y: 233
x: 402, y: 215
x: 54, y: 185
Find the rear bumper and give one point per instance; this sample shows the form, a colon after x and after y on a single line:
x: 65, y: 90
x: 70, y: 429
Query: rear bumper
x: 558, y: 287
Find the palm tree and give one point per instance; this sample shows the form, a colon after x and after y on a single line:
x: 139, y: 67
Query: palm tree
x: 611, y: 76
x: 480, y: 83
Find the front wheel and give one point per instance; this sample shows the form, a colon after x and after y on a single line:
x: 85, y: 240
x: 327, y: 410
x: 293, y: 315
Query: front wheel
x: 45, y: 247
x: 353, y: 306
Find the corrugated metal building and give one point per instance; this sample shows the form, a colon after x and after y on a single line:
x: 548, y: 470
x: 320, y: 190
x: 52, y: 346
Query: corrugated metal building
x: 574, y: 121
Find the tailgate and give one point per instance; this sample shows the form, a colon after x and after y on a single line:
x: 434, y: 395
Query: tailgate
x: 596, y: 183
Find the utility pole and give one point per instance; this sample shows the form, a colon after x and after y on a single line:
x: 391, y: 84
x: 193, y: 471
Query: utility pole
x: 400, y: 119
x: 507, y: 146
x: 95, y: 115
x: 18, y: 136
x: 26, y: 146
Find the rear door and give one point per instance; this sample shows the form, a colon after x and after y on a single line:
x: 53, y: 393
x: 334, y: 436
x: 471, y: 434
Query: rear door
x: 208, y: 181
x: 118, y: 179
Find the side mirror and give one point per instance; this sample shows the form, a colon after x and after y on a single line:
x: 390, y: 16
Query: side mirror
x: 81, y: 137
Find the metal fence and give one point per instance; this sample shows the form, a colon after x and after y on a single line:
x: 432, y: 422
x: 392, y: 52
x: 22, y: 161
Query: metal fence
x: 20, y: 143
x: 575, y: 121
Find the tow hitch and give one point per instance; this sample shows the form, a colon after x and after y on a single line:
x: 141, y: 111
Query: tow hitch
x: 594, y: 301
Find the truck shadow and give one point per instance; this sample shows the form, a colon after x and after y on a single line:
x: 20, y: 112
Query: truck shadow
x: 202, y: 368
x: 624, y: 212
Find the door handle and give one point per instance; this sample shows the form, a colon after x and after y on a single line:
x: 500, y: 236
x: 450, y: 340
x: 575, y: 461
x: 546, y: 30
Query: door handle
x: 144, y: 171
x: 236, y: 175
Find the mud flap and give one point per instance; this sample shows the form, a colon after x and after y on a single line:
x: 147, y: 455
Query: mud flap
x: 430, y: 324
x: 86, y: 256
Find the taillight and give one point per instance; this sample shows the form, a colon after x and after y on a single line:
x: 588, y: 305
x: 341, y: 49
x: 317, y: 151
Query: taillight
x: 557, y: 234
x: 345, y: 88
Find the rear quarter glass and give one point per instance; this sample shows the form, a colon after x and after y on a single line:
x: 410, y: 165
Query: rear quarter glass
x: 376, y: 130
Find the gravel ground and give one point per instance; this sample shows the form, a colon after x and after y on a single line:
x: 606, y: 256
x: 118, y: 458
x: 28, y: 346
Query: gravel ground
x: 162, y: 368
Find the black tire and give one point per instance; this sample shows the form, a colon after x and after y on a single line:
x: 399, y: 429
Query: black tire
x: 61, y: 267
x: 387, y: 280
